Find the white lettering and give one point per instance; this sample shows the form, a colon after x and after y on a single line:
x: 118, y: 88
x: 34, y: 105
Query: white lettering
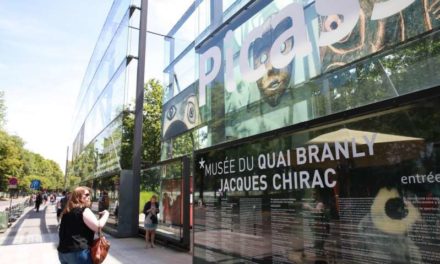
x: 248, y: 73
x: 276, y: 177
x: 229, y: 61
x: 214, y: 54
x: 298, y: 31
x: 370, y: 143
x: 385, y: 9
x: 301, y: 156
x: 326, y: 178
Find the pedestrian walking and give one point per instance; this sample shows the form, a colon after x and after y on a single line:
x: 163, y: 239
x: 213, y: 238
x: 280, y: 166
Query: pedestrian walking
x: 151, y: 209
x: 38, y: 201
x: 103, y: 202
x: 61, y: 204
x: 78, y: 227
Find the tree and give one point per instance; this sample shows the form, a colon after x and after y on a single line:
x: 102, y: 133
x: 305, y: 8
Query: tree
x: 151, y: 138
x: 152, y: 122
x: 11, y: 163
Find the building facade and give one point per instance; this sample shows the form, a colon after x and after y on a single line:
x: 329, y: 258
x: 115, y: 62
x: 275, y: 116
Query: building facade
x: 101, y: 156
x: 293, y: 131
x: 314, y: 130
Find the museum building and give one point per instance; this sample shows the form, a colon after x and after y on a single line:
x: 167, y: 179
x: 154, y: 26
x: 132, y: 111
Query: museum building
x: 292, y: 131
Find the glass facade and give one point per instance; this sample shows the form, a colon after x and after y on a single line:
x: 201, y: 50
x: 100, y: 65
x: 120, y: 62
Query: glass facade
x: 363, y: 190
x: 99, y: 152
x: 302, y: 153
x: 107, y: 90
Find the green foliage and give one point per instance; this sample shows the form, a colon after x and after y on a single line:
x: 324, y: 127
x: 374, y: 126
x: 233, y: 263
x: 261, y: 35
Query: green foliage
x: 151, y: 138
x: 73, y: 180
x: 405, y: 69
x: 152, y: 122
x: 16, y: 161
x: 11, y: 162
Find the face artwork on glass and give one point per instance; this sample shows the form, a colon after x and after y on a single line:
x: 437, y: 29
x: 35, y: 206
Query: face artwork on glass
x: 373, y: 35
x: 274, y: 82
x: 180, y: 114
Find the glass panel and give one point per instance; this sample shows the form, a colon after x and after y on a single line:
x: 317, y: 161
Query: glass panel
x: 178, y: 146
x: 107, y: 107
x: 172, y: 10
x: 150, y: 186
x: 185, y: 72
x: 186, y: 34
x: 323, y: 81
x: 165, y: 182
x: 171, y: 198
x: 113, y: 21
x: 364, y: 190
x: 106, y: 197
x: 155, y: 55
x: 101, y: 156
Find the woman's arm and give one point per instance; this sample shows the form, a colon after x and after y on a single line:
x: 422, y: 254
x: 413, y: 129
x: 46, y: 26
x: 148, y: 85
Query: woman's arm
x: 92, y: 222
x: 146, y: 208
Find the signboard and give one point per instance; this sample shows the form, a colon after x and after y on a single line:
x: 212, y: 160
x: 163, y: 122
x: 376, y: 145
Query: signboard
x: 35, y: 184
x: 334, y: 195
x: 12, y: 183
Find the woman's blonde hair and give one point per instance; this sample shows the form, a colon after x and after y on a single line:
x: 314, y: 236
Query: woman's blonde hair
x: 75, y: 199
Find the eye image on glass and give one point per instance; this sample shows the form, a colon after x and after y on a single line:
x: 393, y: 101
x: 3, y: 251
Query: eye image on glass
x: 180, y: 114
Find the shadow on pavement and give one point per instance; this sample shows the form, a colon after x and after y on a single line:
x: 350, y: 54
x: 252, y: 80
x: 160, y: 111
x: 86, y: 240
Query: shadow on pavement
x: 43, y: 228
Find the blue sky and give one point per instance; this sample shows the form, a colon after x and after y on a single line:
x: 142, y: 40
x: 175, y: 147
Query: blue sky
x: 45, y: 47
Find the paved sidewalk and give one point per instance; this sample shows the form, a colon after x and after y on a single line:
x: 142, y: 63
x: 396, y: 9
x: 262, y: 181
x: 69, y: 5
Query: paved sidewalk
x: 4, y: 204
x: 33, y: 239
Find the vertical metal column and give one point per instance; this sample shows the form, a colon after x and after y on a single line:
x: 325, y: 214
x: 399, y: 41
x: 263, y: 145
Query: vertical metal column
x: 138, y: 119
x: 186, y: 193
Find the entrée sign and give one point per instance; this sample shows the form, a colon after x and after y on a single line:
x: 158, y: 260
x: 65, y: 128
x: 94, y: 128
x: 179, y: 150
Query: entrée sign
x: 348, y: 9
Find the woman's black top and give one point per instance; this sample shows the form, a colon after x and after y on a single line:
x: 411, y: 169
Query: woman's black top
x: 147, y: 207
x: 74, y: 234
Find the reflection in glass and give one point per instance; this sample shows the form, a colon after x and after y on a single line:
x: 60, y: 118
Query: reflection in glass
x: 364, y: 190
x: 165, y: 182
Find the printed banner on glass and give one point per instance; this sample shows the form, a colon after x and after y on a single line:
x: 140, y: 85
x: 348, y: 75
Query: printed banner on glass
x: 334, y: 195
x: 180, y: 113
x: 266, y: 64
